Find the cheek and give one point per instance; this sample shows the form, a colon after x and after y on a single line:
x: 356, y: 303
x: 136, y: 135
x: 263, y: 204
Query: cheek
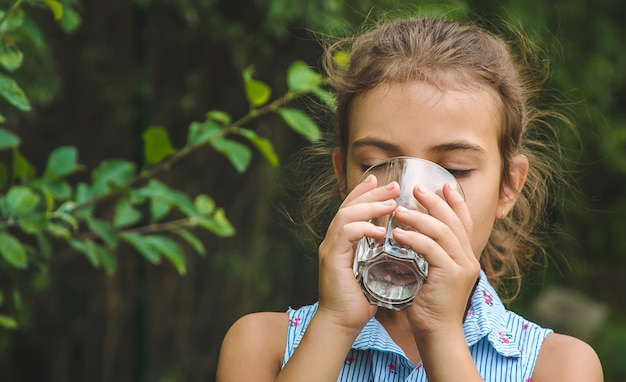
x: 353, y: 176
x: 482, y: 203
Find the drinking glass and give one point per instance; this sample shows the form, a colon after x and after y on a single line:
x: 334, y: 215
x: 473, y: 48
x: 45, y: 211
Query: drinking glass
x: 391, y: 274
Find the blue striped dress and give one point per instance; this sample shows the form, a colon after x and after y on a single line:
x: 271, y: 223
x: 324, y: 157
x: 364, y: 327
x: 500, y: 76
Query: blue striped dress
x: 504, y: 345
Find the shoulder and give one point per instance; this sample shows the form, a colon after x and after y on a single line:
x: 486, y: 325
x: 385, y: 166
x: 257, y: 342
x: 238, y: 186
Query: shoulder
x: 565, y: 358
x: 257, y: 340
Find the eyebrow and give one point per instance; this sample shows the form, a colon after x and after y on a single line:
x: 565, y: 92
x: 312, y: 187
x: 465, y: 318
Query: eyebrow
x: 459, y: 145
x: 375, y: 142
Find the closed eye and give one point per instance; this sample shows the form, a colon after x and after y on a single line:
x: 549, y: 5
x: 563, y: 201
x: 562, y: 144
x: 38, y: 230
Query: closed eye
x: 364, y: 167
x: 459, y: 173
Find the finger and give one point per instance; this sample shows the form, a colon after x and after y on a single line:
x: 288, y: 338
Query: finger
x: 362, y: 212
x: 342, y: 239
x: 455, y: 199
x: 456, y: 219
x: 368, y: 192
x: 368, y: 184
x: 423, y: 244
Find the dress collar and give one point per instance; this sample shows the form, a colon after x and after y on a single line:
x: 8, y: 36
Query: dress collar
x: 486, y: 318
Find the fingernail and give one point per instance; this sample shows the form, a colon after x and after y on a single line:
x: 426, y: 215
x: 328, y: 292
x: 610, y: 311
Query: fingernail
x: 390, y: 186
x: 402, y: 209
x: 388, y: 202
x: 381, y: 229
x: 453, y: 186
x: 368, y: 179
x: 399, y: 230
x: 421, y: 189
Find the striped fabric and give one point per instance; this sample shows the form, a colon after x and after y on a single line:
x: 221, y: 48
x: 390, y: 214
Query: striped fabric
x: 504, y: 346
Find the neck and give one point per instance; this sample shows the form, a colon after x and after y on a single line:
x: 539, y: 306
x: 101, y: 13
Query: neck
x: 399, y: 329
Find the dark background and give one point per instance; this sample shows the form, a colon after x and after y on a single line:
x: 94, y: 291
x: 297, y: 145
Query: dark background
x: 134, y: 64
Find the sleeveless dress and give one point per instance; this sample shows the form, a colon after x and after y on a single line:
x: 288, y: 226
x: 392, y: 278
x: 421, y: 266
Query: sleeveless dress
x: 504, y: 345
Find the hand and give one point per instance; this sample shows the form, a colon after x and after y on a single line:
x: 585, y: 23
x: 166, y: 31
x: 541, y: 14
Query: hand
x: 442, y: 237
x: 341, y: 297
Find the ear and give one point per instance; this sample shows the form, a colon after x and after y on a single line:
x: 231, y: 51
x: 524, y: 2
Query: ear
x: 340, y: 173
x: 518, y: 170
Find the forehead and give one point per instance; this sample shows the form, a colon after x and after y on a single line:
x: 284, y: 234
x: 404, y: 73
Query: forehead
x: 415, y: 116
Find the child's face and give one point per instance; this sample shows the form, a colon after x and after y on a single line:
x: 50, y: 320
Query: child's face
x: 456, y: 129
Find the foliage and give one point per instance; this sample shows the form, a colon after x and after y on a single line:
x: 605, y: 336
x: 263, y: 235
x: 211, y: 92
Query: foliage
x: 178, y: 57
x: 49, y: 207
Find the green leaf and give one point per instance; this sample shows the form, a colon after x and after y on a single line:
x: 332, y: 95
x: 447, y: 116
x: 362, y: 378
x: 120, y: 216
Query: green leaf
x: 204, y: 204
x: 44, y: 245
x: 159, y: 209
x: 238, y: 154
x: 161, y: 194
x: 8, y: 322
x: 96, y: 255
x: 192, y: 240
x: 104, y: 230
x: 62, y: 162
x: 49, y: 199
x: 34, y: 224
x: 32, y: 34
x: 300, y: 123
x: 70, y: 20
x: 13, y: 94
x: 108, y: 260
x: 12, y: 21
x: 300, y: 77
x: 56, y: 8
x: 257, y: 92
x: 8, y: 140
x: 152, y: 246
x: 170, y: 251
x: 22, y: 169
x: 83, y: 193
x: 200, y: 133
x: 157, y: 145
x: 125, y: 214
x: 219, y: 116
x: 341, y: 59
x: 143, y: 246
x: 21, y: 200
x: 87, y: 248
x: 68, y: 218
x: 326, y: 97
x: 218, y: 224
x: 59, y: 230
x: 10, y: 56
x: 12, y: 250
x: 58, y: 189
x: 263, y: 145
x: 111, y: 174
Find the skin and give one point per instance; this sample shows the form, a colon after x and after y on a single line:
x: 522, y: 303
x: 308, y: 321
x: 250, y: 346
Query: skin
x: 459, y: 131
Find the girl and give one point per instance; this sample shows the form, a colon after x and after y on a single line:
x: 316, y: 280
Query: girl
x: 455, y: 95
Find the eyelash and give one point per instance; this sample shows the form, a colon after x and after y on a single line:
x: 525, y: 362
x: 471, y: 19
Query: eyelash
x: 456, y: 173
x: 459, y: 173
x: 364, y: 167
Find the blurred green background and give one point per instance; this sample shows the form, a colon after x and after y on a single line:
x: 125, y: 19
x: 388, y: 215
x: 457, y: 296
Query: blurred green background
x: 106, y: 70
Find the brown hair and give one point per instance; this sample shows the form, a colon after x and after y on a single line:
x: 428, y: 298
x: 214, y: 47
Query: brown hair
x: 445, y: 54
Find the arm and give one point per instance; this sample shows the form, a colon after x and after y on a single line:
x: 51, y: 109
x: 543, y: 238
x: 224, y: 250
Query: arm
x: 321, y: 353
x: 565, y: 358
x: 253, y: 348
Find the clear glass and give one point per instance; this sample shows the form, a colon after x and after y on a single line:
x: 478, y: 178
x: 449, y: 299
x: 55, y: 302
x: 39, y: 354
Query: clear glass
x: 390, y: 274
